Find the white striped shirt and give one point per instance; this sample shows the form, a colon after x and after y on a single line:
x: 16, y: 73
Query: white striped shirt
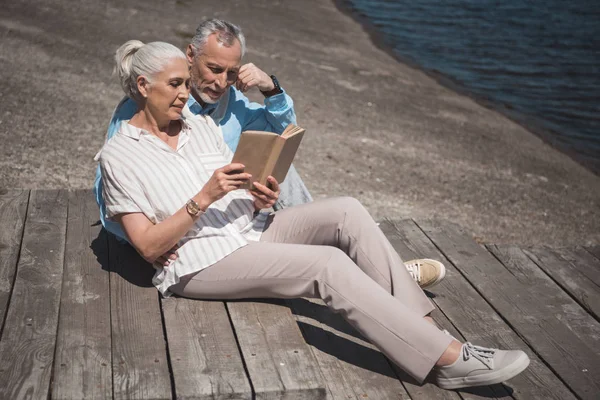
x: 141, y: 173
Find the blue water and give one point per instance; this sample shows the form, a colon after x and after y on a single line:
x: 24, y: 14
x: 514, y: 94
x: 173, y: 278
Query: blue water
x: 538, y: 60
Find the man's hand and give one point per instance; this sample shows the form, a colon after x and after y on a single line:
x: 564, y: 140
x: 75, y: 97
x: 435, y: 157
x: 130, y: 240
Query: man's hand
x: 263, y: 196
x: 251, y: 76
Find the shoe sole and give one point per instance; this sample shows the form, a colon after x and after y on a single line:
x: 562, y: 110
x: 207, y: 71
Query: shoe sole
x: 502, y: 375
x: 439, y: 278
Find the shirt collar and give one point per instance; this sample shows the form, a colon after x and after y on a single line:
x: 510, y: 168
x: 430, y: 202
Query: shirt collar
x: 197, y: 109
x: 134, y: 132
x: 130, y: 131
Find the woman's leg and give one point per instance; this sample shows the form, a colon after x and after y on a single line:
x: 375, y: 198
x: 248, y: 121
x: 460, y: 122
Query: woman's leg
x: 281, y: 270
x: 344, y: 223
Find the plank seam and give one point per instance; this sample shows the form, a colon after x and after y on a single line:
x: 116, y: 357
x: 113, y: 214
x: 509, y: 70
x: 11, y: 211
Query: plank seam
x: 304, y: 333
x: 62, y: 283
x: 169, y: 364
x: 564, y: 289
x: 393, y: 368
x: 237, y: 342
x: 527, y: 342
x: 12, y: 286
x: 498, y: 312
x: 587, y: 248
x: 439, y: 308
x: 582, y: 272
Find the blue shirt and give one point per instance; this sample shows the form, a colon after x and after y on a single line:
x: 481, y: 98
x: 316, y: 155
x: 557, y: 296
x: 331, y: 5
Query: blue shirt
x: 239, y: 115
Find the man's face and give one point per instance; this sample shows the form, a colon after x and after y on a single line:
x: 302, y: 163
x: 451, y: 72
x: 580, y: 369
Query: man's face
x: 214, y: 70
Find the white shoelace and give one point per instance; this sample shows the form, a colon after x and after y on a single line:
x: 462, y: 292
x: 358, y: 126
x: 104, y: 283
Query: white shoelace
x: 414, y: 269
x: 483, y: 354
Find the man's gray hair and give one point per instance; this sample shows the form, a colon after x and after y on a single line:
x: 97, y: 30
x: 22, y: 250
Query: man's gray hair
x: 135, y: 58
x: 226, y: 34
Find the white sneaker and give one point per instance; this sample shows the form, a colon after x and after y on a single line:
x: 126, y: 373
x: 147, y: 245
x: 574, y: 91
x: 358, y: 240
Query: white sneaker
x: 426, y: 272
x: 479, y: 366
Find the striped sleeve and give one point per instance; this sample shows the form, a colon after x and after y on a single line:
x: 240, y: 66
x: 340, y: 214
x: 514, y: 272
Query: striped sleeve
x: 122, y: 193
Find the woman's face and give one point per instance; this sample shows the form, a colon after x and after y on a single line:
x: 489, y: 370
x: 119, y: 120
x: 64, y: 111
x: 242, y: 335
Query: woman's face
x: 169, y: 90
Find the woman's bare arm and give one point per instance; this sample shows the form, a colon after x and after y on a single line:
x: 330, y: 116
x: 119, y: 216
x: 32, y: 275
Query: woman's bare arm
x: 153, y: 240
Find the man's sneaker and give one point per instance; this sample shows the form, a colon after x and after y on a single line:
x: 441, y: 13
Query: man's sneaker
x: 426, y: 272
x: 477, y: 366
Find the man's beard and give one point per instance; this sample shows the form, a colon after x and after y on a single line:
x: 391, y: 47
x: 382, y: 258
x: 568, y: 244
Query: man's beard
x: 197, y: 93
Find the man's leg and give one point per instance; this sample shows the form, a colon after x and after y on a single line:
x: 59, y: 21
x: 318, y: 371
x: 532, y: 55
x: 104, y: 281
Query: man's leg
x: 426, y: 272
x: 282, y: 270
x: 293, y: 191
x: 344, y: 223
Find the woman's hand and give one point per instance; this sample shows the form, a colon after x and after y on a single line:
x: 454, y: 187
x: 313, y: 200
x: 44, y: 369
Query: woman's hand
x: 223, y: 181
x: 263, y: 196
x: 171, y: 255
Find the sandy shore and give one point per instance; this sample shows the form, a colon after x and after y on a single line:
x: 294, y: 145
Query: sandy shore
x: 378, y: 130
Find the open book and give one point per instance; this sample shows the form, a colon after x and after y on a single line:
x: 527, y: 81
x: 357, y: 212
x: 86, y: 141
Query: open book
x: 267, y: 153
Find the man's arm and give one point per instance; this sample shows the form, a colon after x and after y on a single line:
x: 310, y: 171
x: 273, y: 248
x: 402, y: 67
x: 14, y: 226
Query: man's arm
x: 274, y: 116
x: 278, y: 111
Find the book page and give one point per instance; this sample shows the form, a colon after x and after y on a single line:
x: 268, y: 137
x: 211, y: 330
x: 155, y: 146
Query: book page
x: 291, y: 130
x: 287, y: 155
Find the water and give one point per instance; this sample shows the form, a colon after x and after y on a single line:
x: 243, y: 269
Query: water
x: 539, y: 60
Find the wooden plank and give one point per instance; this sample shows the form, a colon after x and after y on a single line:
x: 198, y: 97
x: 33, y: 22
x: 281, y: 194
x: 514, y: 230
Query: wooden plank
x: 595, y: 250
x: 82, y: 365
x: 279, y: 362
x: 13, y: 206
x: 476, y: 320
x: 204, y: 354
x: 411, y: 243
x: 586, y: 263
x: 548, y: 293
x: 29, y: 337
x: 572, y: 359
x: 351, y: 366
x: 139, y: 355
x: 576, y: 271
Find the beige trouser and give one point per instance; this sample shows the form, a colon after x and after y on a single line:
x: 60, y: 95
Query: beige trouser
x: 333, y: 250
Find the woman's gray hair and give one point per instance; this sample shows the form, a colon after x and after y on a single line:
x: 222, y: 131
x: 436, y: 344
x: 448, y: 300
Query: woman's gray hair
x: 135, y: 58
x: 226, y: 34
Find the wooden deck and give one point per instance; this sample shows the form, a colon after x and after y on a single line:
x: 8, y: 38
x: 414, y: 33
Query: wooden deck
x: 80, y: 319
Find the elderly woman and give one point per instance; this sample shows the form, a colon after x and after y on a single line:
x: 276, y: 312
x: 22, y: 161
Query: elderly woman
x: 170, y: 183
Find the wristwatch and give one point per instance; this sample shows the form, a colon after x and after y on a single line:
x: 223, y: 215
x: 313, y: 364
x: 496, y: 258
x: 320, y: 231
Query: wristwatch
x: 193, y: 208
x: 275, y: 90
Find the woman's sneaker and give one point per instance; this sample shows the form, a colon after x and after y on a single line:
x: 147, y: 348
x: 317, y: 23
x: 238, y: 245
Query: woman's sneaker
x: 479, y: 366
x: 426, y: 272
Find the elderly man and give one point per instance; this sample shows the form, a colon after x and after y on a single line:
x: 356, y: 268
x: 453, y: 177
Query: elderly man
x: 218, y: 80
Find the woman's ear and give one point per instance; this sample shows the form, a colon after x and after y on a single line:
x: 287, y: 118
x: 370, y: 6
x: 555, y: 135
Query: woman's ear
x: 142, y: 85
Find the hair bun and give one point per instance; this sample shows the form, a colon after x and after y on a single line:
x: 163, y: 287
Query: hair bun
x: 134, y: 58
x: 124, y: 59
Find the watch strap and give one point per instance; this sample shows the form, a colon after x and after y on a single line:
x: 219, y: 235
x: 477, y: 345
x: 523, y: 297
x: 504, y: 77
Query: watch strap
x: 276, y: 89
x: 193, y: 208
